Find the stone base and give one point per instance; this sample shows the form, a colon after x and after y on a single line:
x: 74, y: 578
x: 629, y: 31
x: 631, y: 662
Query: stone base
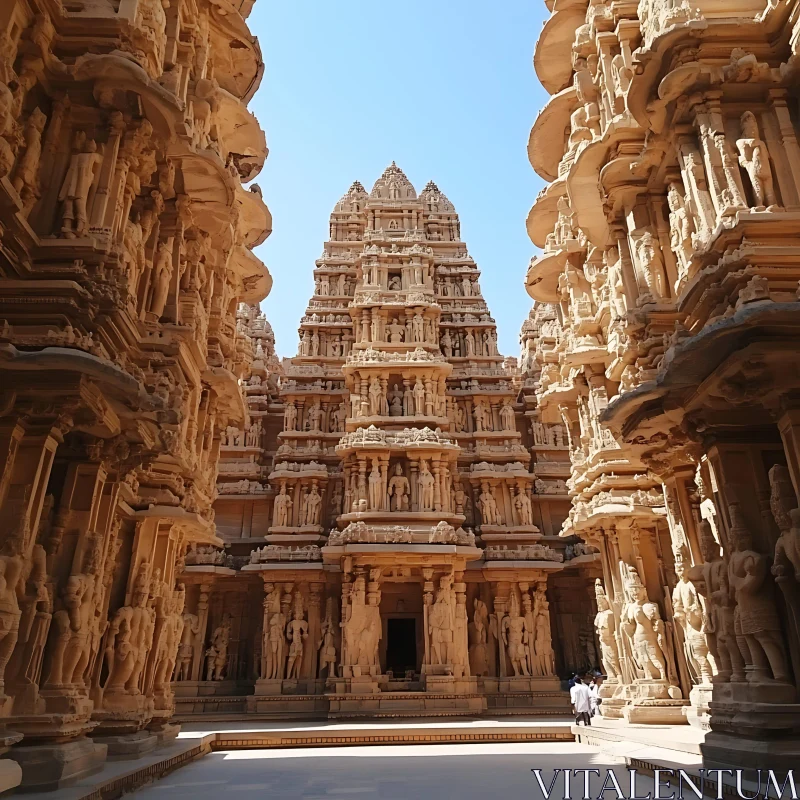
x: 128, y: 745
x: 760, y: 711
x: 166, y: 732
x: 209, y: 688
x: 520, y: 683
x: 655, y: 712
x: 726, y: 751
x: 47, y: 767
x: 405, y: 704
x: 271, y: 688
x: 288, y: 706
x: 449, y: 684
x: 697, y: 714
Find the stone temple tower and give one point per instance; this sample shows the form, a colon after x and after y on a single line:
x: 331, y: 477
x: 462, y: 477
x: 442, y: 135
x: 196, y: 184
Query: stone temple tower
x: 395, y: 532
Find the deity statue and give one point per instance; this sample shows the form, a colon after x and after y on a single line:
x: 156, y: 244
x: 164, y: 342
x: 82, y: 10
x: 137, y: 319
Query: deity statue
x: 426, y: 482
x: 296, y: 633
x: 83, y: 168
x: 522, y: 506
x: 162, y: 274
x: 783, y: 503
x: 507, y: 421
x: 479, y: 639
x: 690, y: 616
x: 754, y: 158
x: 375, y: 396
x: 396, y: 402
x: 446, y: 343
x: 282, y: 508
x: 217, y: 653
x: 605, y: 624
x: 543, y: 644
x: 441, y: 623
x: 641, y: 622
x: 419, y: 397
x: 756, y: 616
x: 26, y: 174
x: 711, y: 581
x: 313, y: 505
x: 11, y: 576
x: 399, y: 490
x: 327, y: 643
x: 515, y: 637
x: 191, y: 627
x: 488, y: 505
x: 375, y: 487
x: 681, y: 225
x: 273, y: 654
x: 652, y: 267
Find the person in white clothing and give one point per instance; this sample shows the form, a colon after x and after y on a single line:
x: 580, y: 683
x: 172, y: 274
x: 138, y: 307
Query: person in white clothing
x: 581, y: 700
x: 594, y: 700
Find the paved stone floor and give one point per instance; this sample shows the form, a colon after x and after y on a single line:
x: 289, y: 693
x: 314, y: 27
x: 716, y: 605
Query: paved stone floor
x: 424, y: 772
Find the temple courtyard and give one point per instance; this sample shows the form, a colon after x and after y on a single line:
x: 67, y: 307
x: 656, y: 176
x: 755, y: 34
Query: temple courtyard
x: 464, y: 758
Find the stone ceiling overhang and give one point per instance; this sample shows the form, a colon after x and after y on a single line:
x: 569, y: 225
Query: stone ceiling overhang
x: 767, y: 329
x: 548, y: 140
x: 541, y: 280
x: 543, y: 217
x: 552, y: 58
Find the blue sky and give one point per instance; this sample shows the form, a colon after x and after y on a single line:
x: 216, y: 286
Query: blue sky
x: 445, y: 89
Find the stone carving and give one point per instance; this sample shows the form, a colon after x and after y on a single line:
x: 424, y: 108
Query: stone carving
x: 442, y: 624
x: 282, y: 508
x: 296, y: 633
x: 515, y: 637
x: 399, y: 490
x: 690, y: 615
x: 327, y: 643
x: 642, y: 623
x: 756, y: 617
x: 754, y: 158
x: 605, y: 625
x: 217, y: 653
x: 78, y: 183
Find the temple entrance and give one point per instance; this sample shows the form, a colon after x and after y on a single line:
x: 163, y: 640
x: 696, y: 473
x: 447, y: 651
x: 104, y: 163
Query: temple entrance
x: 401, y: 645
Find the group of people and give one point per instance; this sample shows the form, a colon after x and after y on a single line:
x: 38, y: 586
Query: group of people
x: 584, y: 696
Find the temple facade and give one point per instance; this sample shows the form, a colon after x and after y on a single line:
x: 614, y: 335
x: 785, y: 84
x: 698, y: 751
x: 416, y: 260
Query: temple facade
x: 125, y: 251
x: 391, y: 517
x: 663, y: 338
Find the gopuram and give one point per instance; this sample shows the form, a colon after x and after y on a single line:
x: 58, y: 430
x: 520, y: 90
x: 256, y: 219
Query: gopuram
x: 392, y: 548
x: 664, y: 340
x: 125, y: 251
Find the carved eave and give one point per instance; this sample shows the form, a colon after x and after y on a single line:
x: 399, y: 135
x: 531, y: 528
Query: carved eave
x: 241, y: 134
x: 764, y: 330
x: 212, y: 190
x: 253, y: 274
x: 193, y: 526
x: 255, y: 219
x: 226, y: 385
x: 552, y: 58
x: 541, y: 280
x: 543, y: 216
x: 115, y: 76
x: 548, y: 140
x: 38, y: 371
x: 238, y: 64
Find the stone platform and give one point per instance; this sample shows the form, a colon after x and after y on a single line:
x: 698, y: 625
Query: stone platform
x: 381, y: 705
x: 197, y: 740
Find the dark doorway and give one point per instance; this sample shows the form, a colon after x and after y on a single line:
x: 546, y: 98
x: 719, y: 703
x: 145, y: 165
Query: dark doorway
x: 401, y: 645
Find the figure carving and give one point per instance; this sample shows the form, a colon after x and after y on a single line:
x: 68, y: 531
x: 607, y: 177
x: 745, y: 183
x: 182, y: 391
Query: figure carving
x: 605, y: 625
x: 217, y: 653
x: 641, y: 622
x: 756, y: 616
x: 754, y: 157
x: 399, y: 490
x: 77, y: 186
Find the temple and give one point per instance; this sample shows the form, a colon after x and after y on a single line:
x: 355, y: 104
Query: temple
x: 126, y: 236
x: 664, y: 339
x: 391, y: 545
